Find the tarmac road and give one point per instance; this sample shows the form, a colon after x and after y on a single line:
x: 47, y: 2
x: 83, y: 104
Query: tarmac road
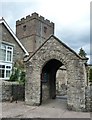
x: 52, y: 109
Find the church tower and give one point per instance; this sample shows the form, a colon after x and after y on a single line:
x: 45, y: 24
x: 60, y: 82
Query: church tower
x: 33, y: 30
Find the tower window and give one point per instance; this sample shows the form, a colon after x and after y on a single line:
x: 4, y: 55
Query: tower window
x: 45, y: 29
x: 24, y: 27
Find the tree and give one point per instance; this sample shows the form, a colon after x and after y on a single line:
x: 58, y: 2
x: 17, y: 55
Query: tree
x: 82, y: 53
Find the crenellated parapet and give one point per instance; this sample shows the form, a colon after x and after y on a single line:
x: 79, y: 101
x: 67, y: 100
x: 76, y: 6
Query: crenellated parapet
x: 33, y: 30
x: 35, y: 16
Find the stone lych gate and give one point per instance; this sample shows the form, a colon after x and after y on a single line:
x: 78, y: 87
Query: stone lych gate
x: 41, y: 70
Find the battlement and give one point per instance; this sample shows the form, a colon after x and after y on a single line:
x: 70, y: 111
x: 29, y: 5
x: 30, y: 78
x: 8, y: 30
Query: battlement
x: 34, y: 16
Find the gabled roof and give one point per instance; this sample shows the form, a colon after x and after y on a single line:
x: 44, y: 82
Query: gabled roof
x: 60, y: 43
x: 13, y: 34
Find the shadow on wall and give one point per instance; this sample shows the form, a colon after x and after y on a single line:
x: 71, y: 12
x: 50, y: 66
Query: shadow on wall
x: 12, y: 91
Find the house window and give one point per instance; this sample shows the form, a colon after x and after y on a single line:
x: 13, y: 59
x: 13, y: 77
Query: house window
x: 6, y: 59
x: 8, y: 71
x: 6, y: 53
x: 5, y: 71
x: 2, y: 52
x: 2, y: 71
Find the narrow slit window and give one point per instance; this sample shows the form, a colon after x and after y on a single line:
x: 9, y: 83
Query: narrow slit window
x: 24, y: 27
x: 45, y: 29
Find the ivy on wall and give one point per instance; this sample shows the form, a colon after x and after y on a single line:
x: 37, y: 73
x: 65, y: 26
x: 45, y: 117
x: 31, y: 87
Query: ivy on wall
x: 18, y: 72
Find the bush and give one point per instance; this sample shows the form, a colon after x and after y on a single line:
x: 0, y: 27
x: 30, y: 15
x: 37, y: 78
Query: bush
x: 18, y: 72
x: 14, y: 76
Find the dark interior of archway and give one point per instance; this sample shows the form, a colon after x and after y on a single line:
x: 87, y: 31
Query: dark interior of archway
x: 49, y: 75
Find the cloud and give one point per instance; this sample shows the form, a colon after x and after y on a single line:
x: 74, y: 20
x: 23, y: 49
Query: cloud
x: 71, y: 18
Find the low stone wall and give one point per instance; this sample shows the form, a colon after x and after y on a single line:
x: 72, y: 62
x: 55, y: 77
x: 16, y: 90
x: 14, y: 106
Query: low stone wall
x: 88, y: 95
x: 12, y: 90
x: 61, y: 89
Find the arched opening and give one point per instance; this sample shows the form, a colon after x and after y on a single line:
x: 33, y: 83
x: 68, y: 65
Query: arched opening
x: 61, y: 82
x: 48, y: 80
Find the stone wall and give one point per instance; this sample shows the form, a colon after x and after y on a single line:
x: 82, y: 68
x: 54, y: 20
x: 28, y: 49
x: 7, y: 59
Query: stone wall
x: 45, y: 92
x: 88, y: 91
x: 11, y: 89
x: 88, y: 97
x: 53, y: 49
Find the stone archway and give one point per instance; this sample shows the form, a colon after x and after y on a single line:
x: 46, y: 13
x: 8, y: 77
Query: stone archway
x: 48, y: 79
x: 54, y: 52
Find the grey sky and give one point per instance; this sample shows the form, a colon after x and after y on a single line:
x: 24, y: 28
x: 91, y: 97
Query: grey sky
x: 71, y: 18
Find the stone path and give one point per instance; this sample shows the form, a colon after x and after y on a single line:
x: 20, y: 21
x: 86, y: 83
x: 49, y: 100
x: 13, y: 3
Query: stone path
x: 52, y: 109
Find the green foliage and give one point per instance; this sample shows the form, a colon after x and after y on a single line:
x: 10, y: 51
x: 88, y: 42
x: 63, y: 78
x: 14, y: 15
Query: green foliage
x: 90, y: 75
x: 14, y: 76
x: 18, y: 72
x: 22, y: 77
x: 82, y: 53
